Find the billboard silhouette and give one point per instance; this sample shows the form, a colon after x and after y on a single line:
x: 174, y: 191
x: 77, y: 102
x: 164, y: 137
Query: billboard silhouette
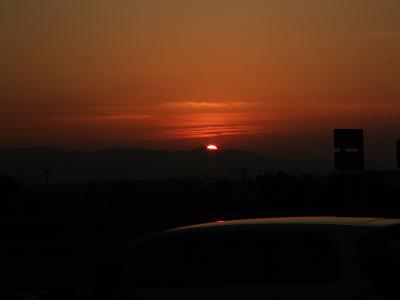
x: 349, y: 150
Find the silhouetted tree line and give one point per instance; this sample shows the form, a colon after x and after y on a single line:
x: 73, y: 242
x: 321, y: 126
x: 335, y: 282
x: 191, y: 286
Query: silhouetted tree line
x: 192, y: 200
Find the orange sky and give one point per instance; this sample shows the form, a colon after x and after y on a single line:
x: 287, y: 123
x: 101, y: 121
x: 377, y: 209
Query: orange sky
x: 273, y: 76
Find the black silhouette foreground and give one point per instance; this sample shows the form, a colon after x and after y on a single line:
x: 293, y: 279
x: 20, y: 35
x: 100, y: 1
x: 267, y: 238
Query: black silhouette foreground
x: 273, y: 258
x: 56, y: 237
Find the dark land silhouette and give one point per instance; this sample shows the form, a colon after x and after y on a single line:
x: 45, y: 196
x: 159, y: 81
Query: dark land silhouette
x: 30, y: 164
x: 58, y: 225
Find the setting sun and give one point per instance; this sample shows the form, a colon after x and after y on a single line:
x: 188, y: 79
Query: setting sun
x: 212, y: 147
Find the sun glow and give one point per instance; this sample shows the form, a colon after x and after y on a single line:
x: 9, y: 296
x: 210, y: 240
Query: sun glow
x: 212, y: 147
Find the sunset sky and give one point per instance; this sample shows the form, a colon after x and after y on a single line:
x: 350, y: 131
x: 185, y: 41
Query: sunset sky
x: 274, y: 76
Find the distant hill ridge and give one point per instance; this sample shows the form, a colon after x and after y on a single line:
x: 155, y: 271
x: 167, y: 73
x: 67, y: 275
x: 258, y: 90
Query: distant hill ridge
x: 121, y: 163
x: 124, y: 163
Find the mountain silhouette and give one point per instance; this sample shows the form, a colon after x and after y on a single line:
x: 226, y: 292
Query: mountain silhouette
x: 139, y: 163
x: 123, y: 163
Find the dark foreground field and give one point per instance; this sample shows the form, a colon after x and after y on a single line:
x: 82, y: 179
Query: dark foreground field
x: 53, y: 237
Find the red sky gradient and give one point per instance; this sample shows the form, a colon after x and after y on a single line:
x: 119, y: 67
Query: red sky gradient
x: 271, y: 76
